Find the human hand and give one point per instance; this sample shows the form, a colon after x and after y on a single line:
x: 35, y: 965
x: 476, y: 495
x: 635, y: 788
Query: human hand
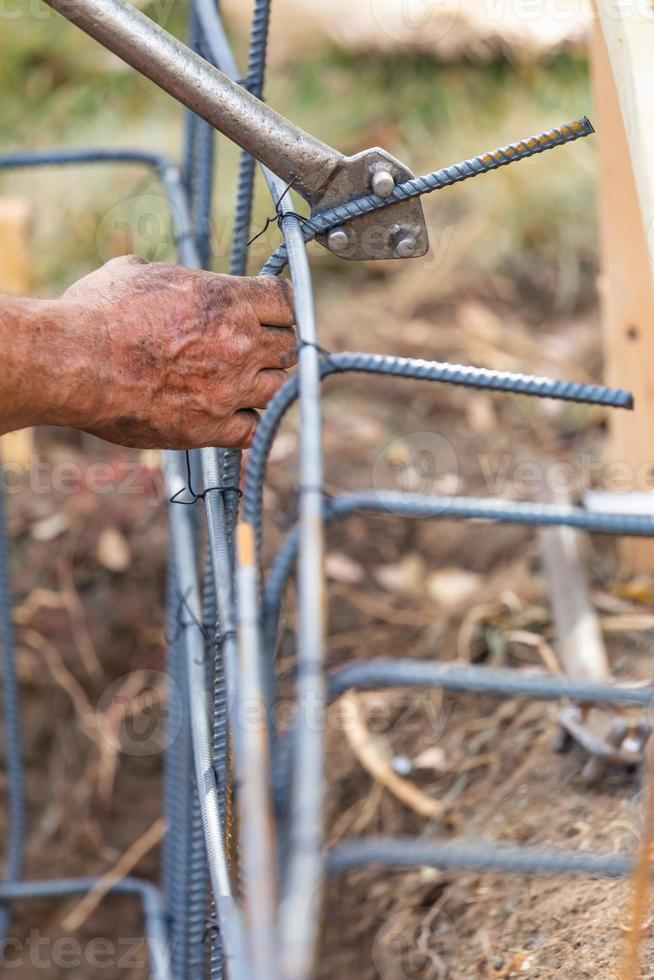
x: 159, y: 356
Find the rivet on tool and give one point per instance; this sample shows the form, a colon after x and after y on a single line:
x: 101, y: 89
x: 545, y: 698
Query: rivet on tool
x: 338, y: 240
x: 406, y: 245
x: 383, y: 183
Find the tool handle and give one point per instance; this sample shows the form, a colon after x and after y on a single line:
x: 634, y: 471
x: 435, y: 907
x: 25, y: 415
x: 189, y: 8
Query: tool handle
x: 272, y: 139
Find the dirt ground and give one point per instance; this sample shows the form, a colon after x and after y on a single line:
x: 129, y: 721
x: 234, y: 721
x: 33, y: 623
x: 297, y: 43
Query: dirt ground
x: 89, y: 571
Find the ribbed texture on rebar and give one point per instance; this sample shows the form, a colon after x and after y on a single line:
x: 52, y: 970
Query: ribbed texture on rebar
x: 446, y: 177
x: 386, y: 672
x: 417, y: 369
x: 14, y: 763
x: 244, y: 195
x: 407, y: 852
x: 177, y: 787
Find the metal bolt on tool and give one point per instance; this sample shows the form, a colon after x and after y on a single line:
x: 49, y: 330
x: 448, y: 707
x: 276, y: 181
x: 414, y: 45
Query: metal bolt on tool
x: 383, y: 183
x: 338, y: 240
x: 406, y: 245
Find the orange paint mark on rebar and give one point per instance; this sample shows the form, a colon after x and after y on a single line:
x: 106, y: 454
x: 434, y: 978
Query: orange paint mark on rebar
x: 641, y: 894
x: 245, y: 544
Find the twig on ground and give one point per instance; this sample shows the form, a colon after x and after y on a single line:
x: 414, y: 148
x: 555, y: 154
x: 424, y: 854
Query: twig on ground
x: 381, y: 609
x: 540, y: 644
x: 364, y: 748
x: 68, y: 600
x: 63, y: 677
x: 123, y: 867
x: 124, y: 704
x: 78, y: 623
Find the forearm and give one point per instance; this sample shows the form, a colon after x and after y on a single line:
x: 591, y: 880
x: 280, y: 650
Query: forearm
x: 147, y: 355
x: 23, y: 323
x: 42, y: 361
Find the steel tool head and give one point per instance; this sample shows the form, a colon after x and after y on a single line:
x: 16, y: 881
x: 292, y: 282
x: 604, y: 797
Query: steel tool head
x: 383, y: 234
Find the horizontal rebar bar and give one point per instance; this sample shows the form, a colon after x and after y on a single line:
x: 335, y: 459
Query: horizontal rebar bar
x: 442, y: 507
x: 417, y: 186
x: 153, y: 909
x: 408, y: 368
x: 62, y: 158
x: 409, y: 852
x: 385, y: 672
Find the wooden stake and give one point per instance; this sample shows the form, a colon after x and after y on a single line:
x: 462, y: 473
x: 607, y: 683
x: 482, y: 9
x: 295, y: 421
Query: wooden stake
x: 17, y: 447
x: 14, y: 219
x: 626, y: 198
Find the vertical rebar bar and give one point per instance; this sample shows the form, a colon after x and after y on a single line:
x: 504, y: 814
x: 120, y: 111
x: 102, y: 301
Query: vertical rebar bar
x: 17, y: 803
x: 255, y: 83
x: 177, y: 787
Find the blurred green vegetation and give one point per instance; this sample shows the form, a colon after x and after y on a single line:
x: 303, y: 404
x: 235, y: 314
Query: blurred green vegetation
x: 533, y: 224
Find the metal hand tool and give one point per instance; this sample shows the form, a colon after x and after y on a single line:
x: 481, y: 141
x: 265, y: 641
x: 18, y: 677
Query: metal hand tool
x: 601, y: 730
x: 322, y: 175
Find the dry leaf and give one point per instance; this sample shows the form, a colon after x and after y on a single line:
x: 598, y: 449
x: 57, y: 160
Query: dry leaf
x: 452, y: 585
x: 342, y: 568
x: 637, y: 590
x: 407, y: 576
x: 51, y: 527
x: 432, y: 758
x: 113, y: 550
x: 481, y: 415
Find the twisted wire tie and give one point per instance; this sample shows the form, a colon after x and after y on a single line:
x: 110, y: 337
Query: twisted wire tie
x: 198, y: 496
x: 280, y: 214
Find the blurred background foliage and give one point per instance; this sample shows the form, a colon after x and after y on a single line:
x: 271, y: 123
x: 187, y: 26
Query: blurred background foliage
x: 526, y: 235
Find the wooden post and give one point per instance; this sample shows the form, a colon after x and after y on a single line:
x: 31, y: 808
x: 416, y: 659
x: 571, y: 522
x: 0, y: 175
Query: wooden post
x: 17, y: 447
x: 14, y: 218
x: 623, y: 72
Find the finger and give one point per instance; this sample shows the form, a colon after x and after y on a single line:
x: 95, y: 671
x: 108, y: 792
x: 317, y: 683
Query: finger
x: 272, y: 300
x: 277, y: 347
x: 239, y: 431
x: 266, y: 385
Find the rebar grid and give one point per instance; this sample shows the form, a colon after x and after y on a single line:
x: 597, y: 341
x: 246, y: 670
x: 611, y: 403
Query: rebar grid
x: 263, y: 922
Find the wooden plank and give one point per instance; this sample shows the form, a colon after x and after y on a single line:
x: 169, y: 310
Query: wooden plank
x: 17, y: 447
x: 628, y: 30
x: 626, y: 285
x: 14, y: 219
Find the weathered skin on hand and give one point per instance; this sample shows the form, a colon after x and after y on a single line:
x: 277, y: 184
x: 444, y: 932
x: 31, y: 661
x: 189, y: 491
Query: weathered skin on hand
x: 150, y: 355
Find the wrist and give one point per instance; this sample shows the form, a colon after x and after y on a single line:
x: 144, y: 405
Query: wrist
x: 46, y: 358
